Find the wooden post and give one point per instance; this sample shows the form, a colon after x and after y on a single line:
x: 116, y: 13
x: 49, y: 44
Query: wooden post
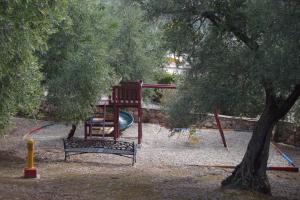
x: 116, y: 112
x: 140, y: 130
x: 140, y: 113
x: 85, y: 130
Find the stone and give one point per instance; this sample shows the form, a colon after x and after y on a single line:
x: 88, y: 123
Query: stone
x: 208, y: 125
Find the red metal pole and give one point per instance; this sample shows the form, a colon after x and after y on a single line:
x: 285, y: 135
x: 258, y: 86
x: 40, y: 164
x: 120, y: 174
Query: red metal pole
x: 273, y: 168
x: 287, y: 169
x: 37, y: 129
x: 159, y: 86
x: 220, y: 127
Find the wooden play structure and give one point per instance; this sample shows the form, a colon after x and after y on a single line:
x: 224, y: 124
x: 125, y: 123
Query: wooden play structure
x: 109, y: 121
x: 110, y: 118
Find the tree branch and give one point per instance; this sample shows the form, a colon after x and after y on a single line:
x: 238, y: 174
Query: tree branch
x: 289, y: 102
x: 269, y: 90
x: 216, y: 20
x: 212, y: 17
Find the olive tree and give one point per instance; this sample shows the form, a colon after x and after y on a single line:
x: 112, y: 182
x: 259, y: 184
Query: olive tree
x: 75, y: 67
x: 24, y: 29
x: 135, y: 52
x: 245, y: 58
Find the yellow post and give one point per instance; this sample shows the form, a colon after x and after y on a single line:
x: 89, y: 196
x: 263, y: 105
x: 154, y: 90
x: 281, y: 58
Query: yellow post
x: 30, y: 171
x: 30, y: 152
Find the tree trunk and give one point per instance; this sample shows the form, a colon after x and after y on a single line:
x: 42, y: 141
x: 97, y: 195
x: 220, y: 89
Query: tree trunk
x: 251, y: 173
x: 72, y: 132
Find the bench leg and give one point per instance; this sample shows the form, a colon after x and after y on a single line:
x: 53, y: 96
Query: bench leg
x: 85, y: 130
x: 90, y: 130
x: 133, y: 160
x: 66, y: 156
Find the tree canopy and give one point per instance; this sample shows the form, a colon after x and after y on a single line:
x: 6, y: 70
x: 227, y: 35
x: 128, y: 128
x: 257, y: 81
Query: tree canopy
x: 136, y: 52
x: 25, y: 27
x: 71, y: 51
x: 96, y: 46
x: 75, y: 66
x: 236, y: 69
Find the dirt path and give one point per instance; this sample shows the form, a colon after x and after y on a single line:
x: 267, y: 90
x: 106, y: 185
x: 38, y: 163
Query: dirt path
x: 109, y: 177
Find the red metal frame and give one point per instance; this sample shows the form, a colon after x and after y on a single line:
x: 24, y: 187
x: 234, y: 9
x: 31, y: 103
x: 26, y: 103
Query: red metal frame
x: 159, y: 86
x: 220, y: 128
x: 272, y: 168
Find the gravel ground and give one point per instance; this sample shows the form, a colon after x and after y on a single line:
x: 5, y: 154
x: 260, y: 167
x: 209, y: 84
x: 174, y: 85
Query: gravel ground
x: 159, y: 149
x: 163, y: 169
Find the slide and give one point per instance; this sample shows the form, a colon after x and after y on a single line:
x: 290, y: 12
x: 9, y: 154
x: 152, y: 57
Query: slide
x: 125, y: 120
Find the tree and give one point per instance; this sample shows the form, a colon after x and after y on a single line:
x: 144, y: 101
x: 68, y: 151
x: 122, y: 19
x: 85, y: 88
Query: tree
x: 242, y: 53
x: 24, y: 29
x: 75, y: 66
x: 136, y: 51
x: 89, y: 44
x: 96, y: 44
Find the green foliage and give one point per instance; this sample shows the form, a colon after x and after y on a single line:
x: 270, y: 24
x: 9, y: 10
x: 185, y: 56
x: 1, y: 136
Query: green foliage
x: 236, y: 49
x: 75, y: 49
x: 135, y: 52
x: 75, y: 66
x: 179, y: 107
x: 165, y: 78
x: 25, y: 27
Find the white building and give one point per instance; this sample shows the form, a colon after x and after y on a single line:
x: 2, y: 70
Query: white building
x: 176, y: 65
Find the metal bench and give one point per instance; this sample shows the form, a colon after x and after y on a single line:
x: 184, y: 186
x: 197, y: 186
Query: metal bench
x: 77, y: 146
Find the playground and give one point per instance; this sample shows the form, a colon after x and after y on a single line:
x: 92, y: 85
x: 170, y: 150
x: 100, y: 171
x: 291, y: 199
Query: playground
x: 159, y: 148
x: 166, y: 168
x: 149, y: 99
x: 163, y: 163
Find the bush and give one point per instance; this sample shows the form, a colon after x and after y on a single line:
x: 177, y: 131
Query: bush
x: 162, y: 78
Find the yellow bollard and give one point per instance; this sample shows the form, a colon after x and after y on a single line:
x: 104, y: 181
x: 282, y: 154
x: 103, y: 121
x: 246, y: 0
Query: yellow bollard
x: 30, y: 171
x: 30, y: 150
